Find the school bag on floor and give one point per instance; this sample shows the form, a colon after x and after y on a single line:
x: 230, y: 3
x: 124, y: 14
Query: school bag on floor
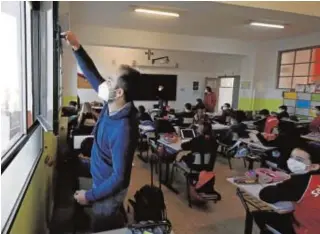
x: 149, y: 209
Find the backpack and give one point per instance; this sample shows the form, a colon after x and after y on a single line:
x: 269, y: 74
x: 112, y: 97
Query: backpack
x: 149, y: 204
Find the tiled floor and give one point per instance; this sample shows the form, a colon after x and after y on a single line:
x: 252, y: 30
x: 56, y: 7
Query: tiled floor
x: 224, y: 217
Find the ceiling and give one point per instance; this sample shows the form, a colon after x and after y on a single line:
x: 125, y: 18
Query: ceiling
x: 211, y: 19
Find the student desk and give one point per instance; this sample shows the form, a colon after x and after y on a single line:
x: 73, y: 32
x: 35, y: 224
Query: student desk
x: 257, y: 145
x: 173, y: 148
x: 120, y: 231
x: 146, y: 132
x: 219, y: 127
x: 249, y: 124
x: 249, y: 196
x: 312, y: 137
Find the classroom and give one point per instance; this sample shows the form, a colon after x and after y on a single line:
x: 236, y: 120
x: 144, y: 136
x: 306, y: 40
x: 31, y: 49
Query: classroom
x: 162, y: 117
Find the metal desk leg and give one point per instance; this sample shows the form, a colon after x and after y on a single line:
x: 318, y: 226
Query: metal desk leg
x: 249, y: 218
x: 248, y: 223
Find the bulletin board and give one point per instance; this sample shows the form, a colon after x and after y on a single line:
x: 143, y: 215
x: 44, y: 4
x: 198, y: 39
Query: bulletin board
x: 300, y: 103
x: 82, y: 82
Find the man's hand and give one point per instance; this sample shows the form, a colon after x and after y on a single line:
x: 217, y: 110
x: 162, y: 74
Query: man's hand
x: 81, y: 197
x: 72, y: 40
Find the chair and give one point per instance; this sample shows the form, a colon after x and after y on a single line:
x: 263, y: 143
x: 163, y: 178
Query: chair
x: 186, y: 122
x: 202, y: 161
x: 229, y: 152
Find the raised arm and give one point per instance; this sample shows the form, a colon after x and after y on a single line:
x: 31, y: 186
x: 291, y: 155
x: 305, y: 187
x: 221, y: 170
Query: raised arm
x: 84, y: 61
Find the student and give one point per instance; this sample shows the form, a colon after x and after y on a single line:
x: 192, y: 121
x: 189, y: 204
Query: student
x: 264, y: 114
x: 287, y: 139
x: 315, y: 124
x: 162, y: 99
x: 210, y: 99
x: 205, y: 142
x: 303, y: 189
x: 237, y: 129
x: 282, y: 112
x: 115, y: 141
x: 86, y: 116
x: 187, y: 112
x: 143, y: 115
x: 200, y: 116
x: 199, y: 105
x: 226, y: 112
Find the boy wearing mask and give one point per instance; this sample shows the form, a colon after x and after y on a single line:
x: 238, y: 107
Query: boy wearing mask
x: 283, y: 112
x: 303, y: 189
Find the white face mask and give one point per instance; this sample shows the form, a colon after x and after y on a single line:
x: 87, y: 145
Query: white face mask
x: 296, y: 167
x: 104, y: 92
x: 206, y: 91
x: 233, y: 121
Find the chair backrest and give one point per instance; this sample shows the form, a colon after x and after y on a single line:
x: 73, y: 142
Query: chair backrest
x: 187, y: 120
x: 271, y: 123
x: 164, y: 126
x: 77, y: 140
x: 205, y: 159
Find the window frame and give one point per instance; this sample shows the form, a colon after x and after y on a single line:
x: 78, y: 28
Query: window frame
x: 18, y: 139
x: 21, y: 139
x: 279, y: 64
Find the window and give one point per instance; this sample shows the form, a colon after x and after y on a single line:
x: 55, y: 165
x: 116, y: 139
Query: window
x: 13, y: 75
x: 301, y: 66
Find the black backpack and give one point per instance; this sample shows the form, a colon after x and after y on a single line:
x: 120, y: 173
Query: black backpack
x: 149, y: 204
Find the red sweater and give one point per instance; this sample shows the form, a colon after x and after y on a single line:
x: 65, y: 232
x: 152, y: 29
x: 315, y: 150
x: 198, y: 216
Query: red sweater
x: 210, y: 100
x: 315, y: 125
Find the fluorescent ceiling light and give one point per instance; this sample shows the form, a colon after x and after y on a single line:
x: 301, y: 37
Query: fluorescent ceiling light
x: 266, y: 25
x: 141, y: 10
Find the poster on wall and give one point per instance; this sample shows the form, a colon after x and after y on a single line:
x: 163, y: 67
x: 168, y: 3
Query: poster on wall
x: 311, y: 88
x: 195, y: 85
x: 300, y: 88
x: 317, y: 88
x: 82, y: 82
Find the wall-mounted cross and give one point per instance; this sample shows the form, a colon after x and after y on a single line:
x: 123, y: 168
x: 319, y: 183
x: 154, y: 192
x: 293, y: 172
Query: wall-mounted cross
x: 149, y: 53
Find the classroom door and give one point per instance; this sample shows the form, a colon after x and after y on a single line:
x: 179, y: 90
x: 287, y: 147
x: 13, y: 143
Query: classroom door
x: 229, y: 91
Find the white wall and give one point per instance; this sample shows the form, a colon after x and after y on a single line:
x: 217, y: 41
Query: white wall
x: 192, y: 67
x: 265, y: 76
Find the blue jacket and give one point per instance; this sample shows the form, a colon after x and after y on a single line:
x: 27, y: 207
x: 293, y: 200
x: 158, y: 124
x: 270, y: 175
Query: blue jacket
x: 115, y: 141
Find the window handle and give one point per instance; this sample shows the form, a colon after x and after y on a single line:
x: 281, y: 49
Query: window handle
x: 44, y: 124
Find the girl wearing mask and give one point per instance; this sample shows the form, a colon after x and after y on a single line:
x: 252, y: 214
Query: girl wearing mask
x: 303, y: 189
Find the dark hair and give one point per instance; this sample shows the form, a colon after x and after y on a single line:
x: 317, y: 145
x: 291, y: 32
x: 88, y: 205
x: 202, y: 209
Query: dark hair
x: 317, y: 107
x: 127, y: 80
x: 142, y: 109
x: 264, y: 112
x: 239, y: 115
x: 188, y: 106
x: 283, y: 107
x: 207, y: 129
x: 73, y: 103
x: 209, y: 89
x: 199, y: 100
x: 227, y: 105
x: 312, y: 151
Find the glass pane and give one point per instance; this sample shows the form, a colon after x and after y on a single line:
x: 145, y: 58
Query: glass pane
x: 301, y: 69
x: 316, y: 55
x: 299, y: 80
x: 315, y: 69
x: 226, y: 82
x: 286, y: 70
x: 11, y: 88
x: 285, y: 82
x: 30, y: 116
x: 287, y: 57
x: 303, y: 56
x: 314, y: 79
x: 49, y: 66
